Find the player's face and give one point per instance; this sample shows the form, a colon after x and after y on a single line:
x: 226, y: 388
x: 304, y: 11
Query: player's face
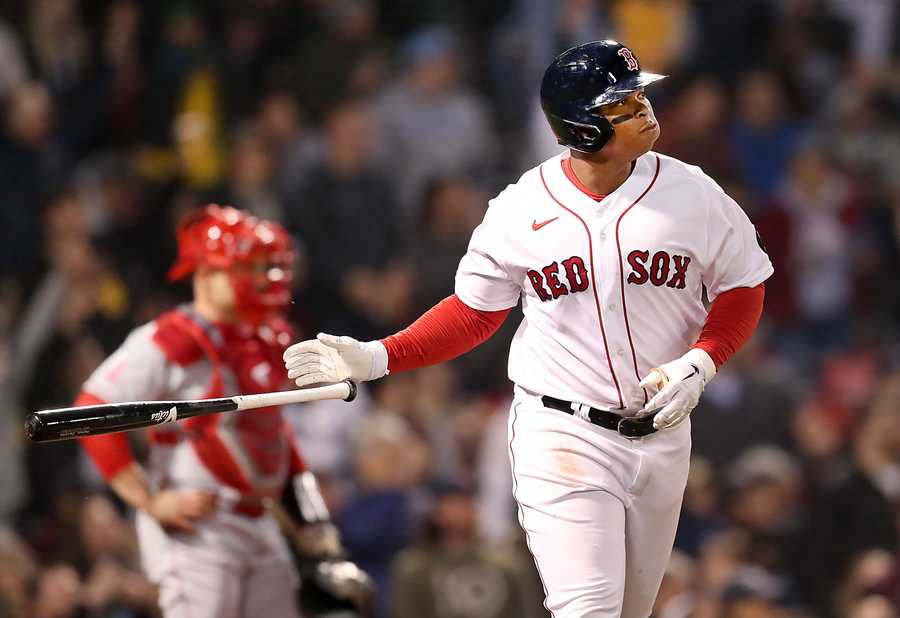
x: 635, y: 125
x: 218, y: 290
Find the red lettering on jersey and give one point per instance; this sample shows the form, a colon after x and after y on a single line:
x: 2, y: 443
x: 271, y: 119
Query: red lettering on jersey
x: 551, y: 272
x: 537, y: 282
x: 659, y: 269
x: 630, y: 60
x: 681, y: 265
x: 637, y: 260
x: 576, y: 273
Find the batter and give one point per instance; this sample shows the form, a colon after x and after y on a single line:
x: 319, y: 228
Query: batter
x: 609, y: 247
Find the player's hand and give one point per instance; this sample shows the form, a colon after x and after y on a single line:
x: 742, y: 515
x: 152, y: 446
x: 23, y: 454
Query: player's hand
x: 329, y: 359
x: 180, y: 509
x: 678, y: 386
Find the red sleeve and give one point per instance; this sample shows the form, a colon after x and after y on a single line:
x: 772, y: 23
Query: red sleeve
x: 445, y: 331
x: 732, y: 319
x: 110, y: 452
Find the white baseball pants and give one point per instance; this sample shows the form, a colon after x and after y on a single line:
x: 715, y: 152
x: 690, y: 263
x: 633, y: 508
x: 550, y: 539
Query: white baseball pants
x: 231, y: 567
x: 599, y: 510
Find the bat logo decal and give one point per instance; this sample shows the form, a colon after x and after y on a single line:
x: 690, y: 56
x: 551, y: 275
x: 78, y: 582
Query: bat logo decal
x: 168, y: 416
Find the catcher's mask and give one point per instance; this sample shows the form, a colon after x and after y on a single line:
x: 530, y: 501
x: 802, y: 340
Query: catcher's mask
x: 258, y: 256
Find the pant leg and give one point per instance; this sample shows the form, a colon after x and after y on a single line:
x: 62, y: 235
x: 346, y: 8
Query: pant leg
x: 198, y: 590
x: 270, y: 586
x: 652, y: 518
x: 195, y: 579
x: 269, y: 590
x: 570, y: 487
x: 579, y: 551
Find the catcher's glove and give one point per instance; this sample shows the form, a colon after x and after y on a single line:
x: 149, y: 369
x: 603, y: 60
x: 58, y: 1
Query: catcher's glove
x: 334, y: 588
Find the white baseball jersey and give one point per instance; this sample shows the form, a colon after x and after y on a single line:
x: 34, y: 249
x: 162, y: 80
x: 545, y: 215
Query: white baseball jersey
x: 611, y: 289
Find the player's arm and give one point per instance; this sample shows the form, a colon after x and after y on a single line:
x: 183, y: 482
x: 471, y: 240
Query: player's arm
x: 138, y: 370
x: 734, y: 269
x: 447, y: 330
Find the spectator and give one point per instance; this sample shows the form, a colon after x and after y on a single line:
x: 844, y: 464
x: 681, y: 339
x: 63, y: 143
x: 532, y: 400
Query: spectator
x: 862, y: 510
x: 698, y: 133
x: 820, y: 208
x: 347, y: 203
x: 57, y: 593
x: 452, y: 207
x: 764, y: 135
x: 251, y: 180
x: 113, y: 581
x: 29, y: 161
x: 296, y: 147
x: 430, y: 100
x: 348, y: 58
x: 744, y: 394
x: 62, y: 56
x: 752, y: 593
x: 448, y: 573
x: 381, y: 518
x: 17, y: 575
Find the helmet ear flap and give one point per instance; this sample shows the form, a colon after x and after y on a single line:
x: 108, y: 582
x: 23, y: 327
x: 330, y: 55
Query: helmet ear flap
x: 589, y: 137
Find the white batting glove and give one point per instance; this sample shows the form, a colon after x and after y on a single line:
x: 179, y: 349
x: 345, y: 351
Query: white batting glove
x: 679, y: 384
x: 328, y: 359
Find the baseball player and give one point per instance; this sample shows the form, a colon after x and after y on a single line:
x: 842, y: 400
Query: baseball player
x: 206, y: 533
x: 609, y: 246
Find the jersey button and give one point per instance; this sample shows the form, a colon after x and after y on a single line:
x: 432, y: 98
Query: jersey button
x: 612, y: 306
x: 602, y: 236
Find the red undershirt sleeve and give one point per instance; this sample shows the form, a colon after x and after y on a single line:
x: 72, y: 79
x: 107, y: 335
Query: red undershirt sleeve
x: 445, y: 331
x: 732, y: 318
x: 110, y: 452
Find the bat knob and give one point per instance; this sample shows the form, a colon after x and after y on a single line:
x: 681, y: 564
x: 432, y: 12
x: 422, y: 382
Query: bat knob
x: 34, y: 427
x: 353, y: 390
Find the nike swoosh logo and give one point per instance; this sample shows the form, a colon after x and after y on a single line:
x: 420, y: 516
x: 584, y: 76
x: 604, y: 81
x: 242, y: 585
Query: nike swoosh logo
x: 692, y: 374
x: 536, y: 226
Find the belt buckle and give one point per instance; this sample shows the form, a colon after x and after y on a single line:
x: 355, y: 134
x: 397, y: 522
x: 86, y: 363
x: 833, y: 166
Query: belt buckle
x: 628, y: 426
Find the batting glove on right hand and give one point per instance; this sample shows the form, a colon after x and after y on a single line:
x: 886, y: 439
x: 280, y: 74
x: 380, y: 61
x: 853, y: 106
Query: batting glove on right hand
x: 329, y: 359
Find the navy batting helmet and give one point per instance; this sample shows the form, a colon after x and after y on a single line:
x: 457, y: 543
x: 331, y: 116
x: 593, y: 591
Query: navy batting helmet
x: 582, y: 79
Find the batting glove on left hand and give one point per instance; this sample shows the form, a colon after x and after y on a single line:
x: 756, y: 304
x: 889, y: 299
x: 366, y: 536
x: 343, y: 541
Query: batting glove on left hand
x: 679, y: 384
x: 330, y: 359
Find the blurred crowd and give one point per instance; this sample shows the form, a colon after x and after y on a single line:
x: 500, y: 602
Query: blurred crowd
x: 376, y: 130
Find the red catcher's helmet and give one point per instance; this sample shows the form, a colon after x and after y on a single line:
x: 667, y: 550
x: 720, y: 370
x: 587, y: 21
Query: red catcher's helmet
x: 229, y: 239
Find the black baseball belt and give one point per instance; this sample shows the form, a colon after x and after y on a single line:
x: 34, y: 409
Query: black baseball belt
x: 634, y: 427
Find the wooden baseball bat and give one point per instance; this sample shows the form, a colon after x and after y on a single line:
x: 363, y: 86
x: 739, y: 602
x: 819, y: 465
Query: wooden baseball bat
x: 68, y: 423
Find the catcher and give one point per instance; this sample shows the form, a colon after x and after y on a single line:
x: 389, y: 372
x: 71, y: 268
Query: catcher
x: 208, y: 500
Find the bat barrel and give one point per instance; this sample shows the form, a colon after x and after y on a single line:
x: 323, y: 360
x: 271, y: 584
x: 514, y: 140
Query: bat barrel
x: 66, y: 423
